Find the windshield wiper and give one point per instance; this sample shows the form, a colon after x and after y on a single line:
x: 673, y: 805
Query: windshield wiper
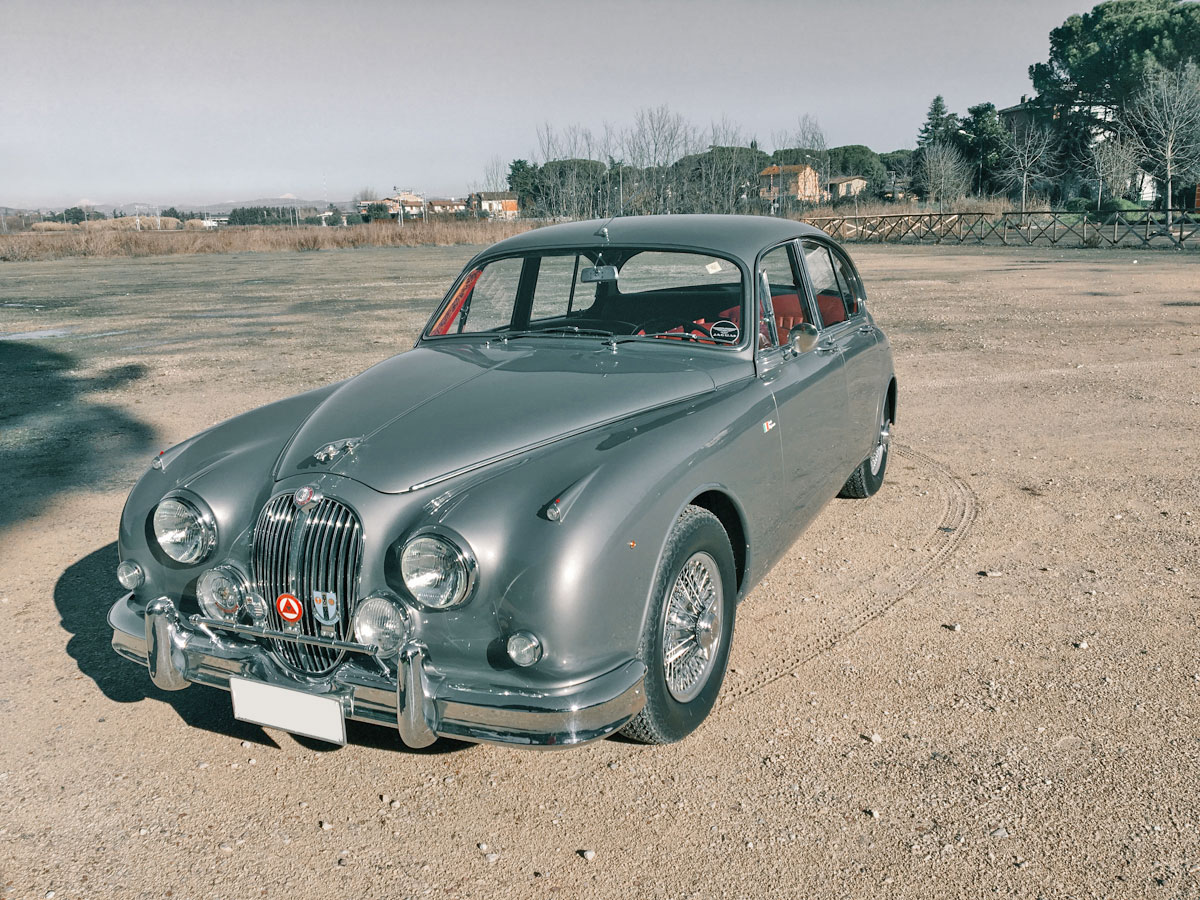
x: 572, y: 329
x: 682, y: 335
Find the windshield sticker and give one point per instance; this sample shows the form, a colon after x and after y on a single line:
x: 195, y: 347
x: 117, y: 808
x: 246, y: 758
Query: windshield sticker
x: 725, y: 332
x: 713, y: 267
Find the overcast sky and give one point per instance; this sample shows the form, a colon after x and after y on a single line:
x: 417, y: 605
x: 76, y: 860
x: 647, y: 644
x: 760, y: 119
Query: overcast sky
x: 206, y: 101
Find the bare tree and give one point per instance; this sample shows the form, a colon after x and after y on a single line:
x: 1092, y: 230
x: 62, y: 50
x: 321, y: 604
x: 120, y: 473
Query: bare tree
x: 1164, y: 122
x: 943, y: 172
x: 368, y: 194
x: 1027, y: 157
x: 1113, y: 162
x: 728, y: 171
x: 495, y: 175
x: 657, y: 139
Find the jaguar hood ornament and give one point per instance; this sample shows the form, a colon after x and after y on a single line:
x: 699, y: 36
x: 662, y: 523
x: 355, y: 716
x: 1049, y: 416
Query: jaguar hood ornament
x: 334, y: 450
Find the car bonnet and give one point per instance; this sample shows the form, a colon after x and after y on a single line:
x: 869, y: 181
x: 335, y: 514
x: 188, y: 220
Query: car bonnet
x: 435, y: 412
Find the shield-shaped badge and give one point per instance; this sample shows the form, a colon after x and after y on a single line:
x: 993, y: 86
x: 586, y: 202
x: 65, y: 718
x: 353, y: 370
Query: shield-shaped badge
x: 325, y: 607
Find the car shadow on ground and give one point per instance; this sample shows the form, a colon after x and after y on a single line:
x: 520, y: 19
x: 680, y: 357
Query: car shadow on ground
x: 53, y: 436
x: 83, y: 595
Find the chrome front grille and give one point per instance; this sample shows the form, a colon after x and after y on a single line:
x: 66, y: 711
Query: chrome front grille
x: 299, y: 551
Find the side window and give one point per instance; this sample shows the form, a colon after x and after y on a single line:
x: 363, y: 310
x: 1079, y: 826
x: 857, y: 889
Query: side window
x: 788, y: 308
x: 491, y: 304
x: 553, y: 296
x: 484, y: 300
x: 830, y: 300
x: 849, y: 283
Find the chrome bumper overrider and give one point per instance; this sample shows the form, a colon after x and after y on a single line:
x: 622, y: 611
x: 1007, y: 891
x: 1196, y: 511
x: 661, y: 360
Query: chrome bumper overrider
x: 181, y: 651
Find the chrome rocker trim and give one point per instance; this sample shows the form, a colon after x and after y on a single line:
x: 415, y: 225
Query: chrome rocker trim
x: 418, y: 702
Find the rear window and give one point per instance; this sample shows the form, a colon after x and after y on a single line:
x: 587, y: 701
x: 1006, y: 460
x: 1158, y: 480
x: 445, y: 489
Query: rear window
x: 656, y: 270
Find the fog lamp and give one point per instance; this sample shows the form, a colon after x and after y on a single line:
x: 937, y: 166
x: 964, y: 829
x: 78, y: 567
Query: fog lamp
x: 221, y: 592
x: 130, y: 575
x: 524, y: 648
x: 381, y: 623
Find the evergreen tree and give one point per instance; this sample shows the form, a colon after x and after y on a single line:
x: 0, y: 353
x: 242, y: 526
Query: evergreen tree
x: 1098, y: 60
x: 941, y: 125
x: 981, y: 141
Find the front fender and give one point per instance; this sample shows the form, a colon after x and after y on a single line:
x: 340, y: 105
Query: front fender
x: 229, y: 465
x: 583, y: 583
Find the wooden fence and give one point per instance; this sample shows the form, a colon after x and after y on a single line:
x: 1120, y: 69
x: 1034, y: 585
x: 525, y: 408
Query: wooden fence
x: 1142, y: 228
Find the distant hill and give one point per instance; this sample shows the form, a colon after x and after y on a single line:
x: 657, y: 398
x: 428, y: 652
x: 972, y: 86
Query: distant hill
x: 216, y: 209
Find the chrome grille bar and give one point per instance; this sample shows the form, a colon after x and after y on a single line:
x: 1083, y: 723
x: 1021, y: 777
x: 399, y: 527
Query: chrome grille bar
x: 299, y: 551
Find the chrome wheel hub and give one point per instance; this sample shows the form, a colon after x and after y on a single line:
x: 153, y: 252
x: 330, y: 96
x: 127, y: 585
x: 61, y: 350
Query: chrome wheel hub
x: 692, y: 627
x: 881, y: 446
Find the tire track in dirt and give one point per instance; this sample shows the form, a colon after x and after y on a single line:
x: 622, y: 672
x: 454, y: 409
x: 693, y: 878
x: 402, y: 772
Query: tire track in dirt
x: 959, y: 510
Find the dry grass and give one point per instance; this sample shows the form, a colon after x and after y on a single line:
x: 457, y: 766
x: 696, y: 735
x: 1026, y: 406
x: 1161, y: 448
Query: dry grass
x: 964, y: 205
x: 125, y: 223
x: 67, y: 240
x: 134, y: 223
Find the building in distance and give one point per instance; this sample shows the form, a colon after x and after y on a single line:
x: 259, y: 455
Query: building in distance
x: 798, y: 183
x: 494, y: 204
x: 846, y: 186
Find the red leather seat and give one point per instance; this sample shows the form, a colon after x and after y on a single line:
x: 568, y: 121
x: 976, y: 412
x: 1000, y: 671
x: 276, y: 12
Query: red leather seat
x: 789, y: 312
x: 832, y: 308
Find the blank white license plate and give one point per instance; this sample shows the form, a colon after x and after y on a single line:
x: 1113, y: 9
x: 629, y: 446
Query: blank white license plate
x: 294, y: 711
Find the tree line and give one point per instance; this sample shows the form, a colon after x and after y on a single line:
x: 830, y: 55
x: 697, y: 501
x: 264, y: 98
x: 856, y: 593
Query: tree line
x: 662, y: 163
x: 1117, y: 105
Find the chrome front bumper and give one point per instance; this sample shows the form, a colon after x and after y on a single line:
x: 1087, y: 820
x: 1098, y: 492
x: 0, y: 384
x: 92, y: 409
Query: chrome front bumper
x: 418, y: 702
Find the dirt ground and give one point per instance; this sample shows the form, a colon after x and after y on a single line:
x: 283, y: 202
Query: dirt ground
x: 984, y: 681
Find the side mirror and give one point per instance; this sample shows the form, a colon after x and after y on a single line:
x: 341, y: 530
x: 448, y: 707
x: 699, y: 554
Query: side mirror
x: 598, y: 274
x: 803, y: 338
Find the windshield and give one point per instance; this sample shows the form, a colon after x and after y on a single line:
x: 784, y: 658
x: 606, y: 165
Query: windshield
x: 633, y: 293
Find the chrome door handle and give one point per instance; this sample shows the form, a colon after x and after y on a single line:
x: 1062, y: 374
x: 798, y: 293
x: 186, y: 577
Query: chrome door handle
x: 866, y: 329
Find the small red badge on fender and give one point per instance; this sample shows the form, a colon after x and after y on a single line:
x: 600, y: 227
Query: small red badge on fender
x: 289, y: 608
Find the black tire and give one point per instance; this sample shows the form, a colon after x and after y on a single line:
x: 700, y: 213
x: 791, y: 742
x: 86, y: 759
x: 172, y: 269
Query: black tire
x: 698, y: 540
x: 867, y: 478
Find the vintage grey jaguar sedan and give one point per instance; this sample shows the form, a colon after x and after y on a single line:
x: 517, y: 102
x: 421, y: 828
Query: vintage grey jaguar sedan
x: 534, y: 527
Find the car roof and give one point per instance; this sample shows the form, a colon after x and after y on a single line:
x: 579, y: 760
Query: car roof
x: 738, y: 236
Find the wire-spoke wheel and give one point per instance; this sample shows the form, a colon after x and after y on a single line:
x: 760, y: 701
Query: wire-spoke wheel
x: 867, y: 478
x: 692, y: 627
x: 685, y: 644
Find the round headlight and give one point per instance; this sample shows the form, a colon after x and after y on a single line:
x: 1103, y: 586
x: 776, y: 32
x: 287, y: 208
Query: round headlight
x: 130, y: 574
x: 221, y: 592
x: 380, y: 622
x: 436, y: 572
x: 524, y: 648
x: 184, y: 533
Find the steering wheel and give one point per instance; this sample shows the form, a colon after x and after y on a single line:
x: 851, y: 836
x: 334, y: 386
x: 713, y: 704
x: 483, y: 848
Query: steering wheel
x: 664, y: 325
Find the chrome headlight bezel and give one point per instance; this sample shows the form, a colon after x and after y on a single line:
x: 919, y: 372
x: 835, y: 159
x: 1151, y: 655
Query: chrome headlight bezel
x: 459, y: 559
x: 210, y: 606
x: 202, y: 518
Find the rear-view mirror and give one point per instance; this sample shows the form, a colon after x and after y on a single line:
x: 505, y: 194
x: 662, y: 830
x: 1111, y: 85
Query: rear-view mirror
x: 594, y: 274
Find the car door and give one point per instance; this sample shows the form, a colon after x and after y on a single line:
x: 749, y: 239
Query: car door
x: 837, y: 292
x: 809, y: 389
